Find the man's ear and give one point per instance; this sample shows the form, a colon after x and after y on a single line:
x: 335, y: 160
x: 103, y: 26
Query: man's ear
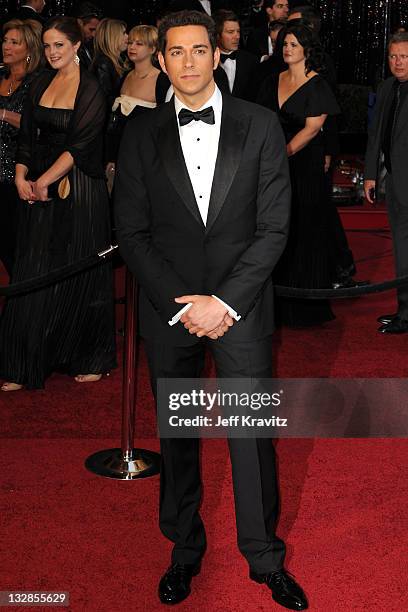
x: 216, y: 58
x: 162, y: 63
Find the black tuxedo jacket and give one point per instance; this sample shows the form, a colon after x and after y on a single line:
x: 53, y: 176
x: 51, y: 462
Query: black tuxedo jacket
x: 247, y: 64
x: 399, y: 148
x: 257, y: 42
x: 195, y: 5
x: 27, y: 13
x: 163, y: 239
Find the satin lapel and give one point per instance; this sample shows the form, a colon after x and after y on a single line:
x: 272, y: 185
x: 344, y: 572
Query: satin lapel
x: 386, y: 106
x: 236, y: 90
x: 172, y: 157
x: 232, y: 139
x: 402, y: 118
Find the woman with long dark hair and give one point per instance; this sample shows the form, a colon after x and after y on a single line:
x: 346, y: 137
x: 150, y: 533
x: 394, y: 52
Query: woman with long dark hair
x: 68, y: 326
x: 302, y: 99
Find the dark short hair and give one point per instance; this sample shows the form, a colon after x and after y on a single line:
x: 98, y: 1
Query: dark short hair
x: 186, y: 18
x: 66, y: 25
x: 310, y: 14
x: 312, y: 49
x: 276, y: 24
x: 87, y: 11
x: 269, y: 3
x: 398, y: 37
x: 221, y: 16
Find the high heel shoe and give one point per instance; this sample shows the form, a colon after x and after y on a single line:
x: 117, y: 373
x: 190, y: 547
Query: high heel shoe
x: 81, y: 378
x: 11, y: 386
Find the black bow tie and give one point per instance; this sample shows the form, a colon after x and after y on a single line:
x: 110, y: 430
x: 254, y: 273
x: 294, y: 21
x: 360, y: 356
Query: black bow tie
x: 185, y: 116
x: 225, y: 56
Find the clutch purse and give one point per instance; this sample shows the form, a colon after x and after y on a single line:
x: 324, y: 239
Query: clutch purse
x: 64, y: 188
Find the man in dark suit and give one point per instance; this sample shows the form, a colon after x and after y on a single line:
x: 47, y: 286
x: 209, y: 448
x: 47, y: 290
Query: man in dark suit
x: 88, y: 16
x: 239, y: 65
x: 202, y: 205
x: 259, y: 42
x: 204, y: 6
x: 31, y: 9
x: 388, y: 140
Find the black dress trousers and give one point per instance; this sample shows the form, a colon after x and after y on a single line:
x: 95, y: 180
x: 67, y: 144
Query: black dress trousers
x: 253, y: 460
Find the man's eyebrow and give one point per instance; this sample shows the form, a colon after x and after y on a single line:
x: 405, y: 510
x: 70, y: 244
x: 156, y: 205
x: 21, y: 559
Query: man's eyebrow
x: 198, y: 46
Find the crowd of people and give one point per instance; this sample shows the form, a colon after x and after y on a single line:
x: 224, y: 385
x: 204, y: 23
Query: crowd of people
x: 68, y: 88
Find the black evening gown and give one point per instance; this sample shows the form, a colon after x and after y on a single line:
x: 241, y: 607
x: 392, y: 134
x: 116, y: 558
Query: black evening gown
x: 68, y: 326
x: 306, y: 261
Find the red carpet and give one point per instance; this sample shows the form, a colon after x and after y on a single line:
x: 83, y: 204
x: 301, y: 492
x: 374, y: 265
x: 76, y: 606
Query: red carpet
x: 344, y: 502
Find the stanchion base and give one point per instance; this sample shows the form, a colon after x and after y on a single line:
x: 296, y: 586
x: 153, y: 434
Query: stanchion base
x: 112, y: 463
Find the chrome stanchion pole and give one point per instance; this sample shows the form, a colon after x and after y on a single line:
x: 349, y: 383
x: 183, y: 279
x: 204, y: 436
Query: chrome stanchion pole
x: 127, y: 463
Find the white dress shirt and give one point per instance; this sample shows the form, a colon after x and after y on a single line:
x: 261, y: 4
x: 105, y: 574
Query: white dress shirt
x: 270, y: 51
x: 230, y: 67
x: 206, y: 4
x: 199, y: 143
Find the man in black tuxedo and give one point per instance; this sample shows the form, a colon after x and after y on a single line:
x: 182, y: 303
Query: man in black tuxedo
x: 239, y: 65
x: 259, y: 42
x: 203, y: 6
x: 31, y: 9
x: 88, y: 16
x: 202, y: 205
x: 388, y: 143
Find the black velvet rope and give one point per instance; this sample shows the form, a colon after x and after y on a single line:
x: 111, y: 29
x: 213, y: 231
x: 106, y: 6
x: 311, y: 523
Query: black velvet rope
x: 59, y: 274
x: 346, y: 292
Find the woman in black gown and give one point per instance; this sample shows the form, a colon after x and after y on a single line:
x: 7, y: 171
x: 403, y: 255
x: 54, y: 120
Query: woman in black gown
x: 22, y: 57
x: 303, y: 100
x: 59, y: 176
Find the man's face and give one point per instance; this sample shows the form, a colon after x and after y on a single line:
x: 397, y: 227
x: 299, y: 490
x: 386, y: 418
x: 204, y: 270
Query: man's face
x: 297, y: 15
x: 38, y: 5
x: 278, y: 11
x: 89, y: 28
x: 398, y: 60
x: 189, y: 62
x: 229, y: 37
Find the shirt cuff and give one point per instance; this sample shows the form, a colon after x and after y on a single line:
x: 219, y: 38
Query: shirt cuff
x: 233, y: 313
x: 179, y: 314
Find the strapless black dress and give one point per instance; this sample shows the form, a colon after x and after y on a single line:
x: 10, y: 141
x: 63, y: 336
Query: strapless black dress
x: 68, y: 326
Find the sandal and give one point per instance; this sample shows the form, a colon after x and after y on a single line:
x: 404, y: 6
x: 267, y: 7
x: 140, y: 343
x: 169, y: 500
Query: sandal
x: 11, y: 386
x: 81, y: 378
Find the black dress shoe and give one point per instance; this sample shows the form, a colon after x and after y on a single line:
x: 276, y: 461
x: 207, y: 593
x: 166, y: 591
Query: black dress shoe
x: 285, y: 591
x: 175, y: 584
x: 387, y: 318
x: 396, y: 326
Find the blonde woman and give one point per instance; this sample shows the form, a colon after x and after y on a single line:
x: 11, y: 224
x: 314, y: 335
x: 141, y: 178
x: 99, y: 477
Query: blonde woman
x: 139, y: 86
x: 138, y: 91
x: 108, y: 66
